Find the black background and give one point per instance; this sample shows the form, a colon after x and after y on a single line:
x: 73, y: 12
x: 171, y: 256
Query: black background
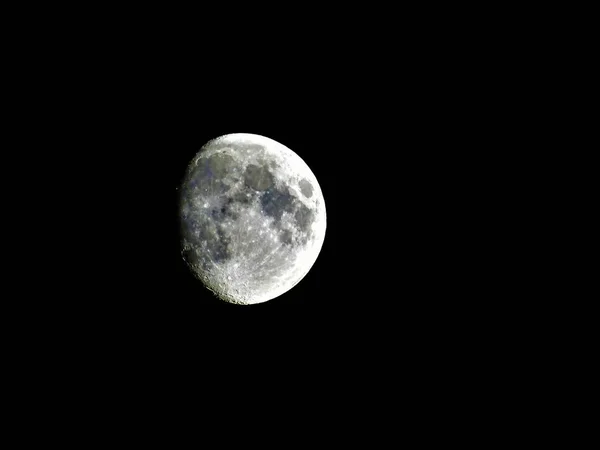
x: 392, y: 120
x: 388, y: 140
x: 394, y: 281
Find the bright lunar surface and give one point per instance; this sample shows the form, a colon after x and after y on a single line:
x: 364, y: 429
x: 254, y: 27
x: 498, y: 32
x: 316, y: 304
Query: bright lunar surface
x: 252, y: 218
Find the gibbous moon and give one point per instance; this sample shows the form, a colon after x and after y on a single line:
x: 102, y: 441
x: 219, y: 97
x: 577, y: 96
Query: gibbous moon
x: 252, y: 218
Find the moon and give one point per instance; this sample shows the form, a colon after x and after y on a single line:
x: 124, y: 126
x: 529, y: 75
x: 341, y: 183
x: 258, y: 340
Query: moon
x: 252, y: 218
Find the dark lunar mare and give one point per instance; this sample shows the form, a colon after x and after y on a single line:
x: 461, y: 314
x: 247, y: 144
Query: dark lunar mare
x: 224, y: 211
x: 197, y: 230
x: 304, y: 217
x: 208, y: 174
x: 286, y: 237
x: 275, y: 201
x: 258, y: 177
x: 206, y: 225
x: 306, y: 188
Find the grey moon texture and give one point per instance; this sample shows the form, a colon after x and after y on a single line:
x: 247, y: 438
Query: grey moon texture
x: 252, y: 218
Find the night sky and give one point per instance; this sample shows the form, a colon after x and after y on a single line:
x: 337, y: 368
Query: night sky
x: 422, y: 321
